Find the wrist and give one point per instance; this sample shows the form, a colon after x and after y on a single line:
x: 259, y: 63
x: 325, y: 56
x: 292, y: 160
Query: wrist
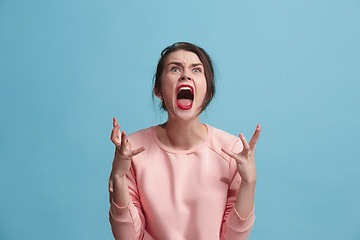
x: 248, y: 182
x: 119, y: 176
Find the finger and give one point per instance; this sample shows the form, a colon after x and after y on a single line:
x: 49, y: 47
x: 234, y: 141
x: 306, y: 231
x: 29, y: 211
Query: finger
x: 111, y: 189
x: 232, y: 155
x: 111, y: 184
x: 115, y: 130
x: 255, y: 137
x: 123, y: 139
x: 115, y: 135
x: 244, y: 142
x: 115, y: 122
x: 137, y: 151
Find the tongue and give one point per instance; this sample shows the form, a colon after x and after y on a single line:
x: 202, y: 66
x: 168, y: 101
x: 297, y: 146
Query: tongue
x: 184, y: 103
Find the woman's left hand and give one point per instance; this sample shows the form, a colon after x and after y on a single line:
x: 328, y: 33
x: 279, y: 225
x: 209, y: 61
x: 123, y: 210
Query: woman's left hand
x: 246, y: 158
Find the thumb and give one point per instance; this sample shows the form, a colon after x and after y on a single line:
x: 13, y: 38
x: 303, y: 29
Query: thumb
x: 137, y: 151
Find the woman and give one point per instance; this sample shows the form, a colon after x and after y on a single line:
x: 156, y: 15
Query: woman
x: 182, y: 179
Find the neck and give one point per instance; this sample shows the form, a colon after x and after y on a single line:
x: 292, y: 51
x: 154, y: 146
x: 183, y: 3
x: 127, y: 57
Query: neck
x: 182, y: 135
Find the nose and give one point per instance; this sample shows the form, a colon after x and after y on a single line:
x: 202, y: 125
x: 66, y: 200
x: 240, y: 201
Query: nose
x: 184, y: 77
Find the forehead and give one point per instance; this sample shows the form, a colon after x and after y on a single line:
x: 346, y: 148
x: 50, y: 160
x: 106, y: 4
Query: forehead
x: 183, y: 56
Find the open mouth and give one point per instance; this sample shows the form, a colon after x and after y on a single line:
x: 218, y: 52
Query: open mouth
x: 185, y: 97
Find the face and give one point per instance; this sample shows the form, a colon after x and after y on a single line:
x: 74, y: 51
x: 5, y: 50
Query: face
x: 183, y: 85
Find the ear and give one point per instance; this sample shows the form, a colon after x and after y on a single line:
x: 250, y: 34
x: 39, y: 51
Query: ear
x: 158, y: 93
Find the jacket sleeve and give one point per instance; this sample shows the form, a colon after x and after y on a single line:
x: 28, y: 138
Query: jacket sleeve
x: 128, y: 222
x: 234, y: 227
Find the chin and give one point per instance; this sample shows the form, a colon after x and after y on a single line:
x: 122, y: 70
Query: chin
x: 186, y: 115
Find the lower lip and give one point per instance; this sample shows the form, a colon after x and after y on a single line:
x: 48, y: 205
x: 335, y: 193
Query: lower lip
x: 184, y: 108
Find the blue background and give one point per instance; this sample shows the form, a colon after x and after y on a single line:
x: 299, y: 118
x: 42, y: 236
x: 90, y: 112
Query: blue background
x: 67, y: 67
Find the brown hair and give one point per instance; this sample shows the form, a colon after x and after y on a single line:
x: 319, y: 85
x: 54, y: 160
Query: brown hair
x: 205, y: 60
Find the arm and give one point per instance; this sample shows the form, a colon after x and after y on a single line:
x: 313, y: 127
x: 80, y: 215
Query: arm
x: 127, y: 221
x: 241, y: 217
x: 126, y: 218
x: 245, y: 199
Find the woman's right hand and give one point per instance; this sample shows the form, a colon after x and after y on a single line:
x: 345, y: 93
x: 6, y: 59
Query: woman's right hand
x: 123, y: 153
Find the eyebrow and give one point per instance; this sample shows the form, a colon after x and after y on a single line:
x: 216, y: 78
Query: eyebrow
x: 180, y: 64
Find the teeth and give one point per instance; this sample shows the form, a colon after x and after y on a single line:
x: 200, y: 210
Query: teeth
x: 185, y: 88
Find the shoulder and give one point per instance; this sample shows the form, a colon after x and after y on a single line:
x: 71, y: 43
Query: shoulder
x: 221, y: 139
x: 141, y: 137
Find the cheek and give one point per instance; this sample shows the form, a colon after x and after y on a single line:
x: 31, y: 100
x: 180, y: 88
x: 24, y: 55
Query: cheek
x: 167, y: 88
x: 202, y: 89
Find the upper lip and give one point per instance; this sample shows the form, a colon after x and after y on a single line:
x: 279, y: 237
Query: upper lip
x: 184, y: 85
